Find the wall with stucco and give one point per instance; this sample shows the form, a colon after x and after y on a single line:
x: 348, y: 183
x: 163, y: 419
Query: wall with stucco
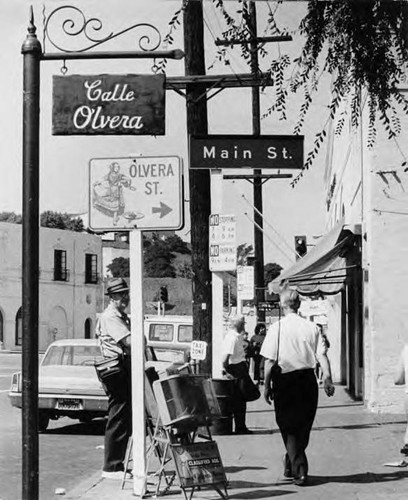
x: 64, y: 307
x: 385, y: 244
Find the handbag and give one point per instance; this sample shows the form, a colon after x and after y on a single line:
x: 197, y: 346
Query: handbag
x: 109, y: 367
x: 249, y: 391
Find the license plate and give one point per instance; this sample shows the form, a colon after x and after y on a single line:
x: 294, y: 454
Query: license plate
x: 69, y: 404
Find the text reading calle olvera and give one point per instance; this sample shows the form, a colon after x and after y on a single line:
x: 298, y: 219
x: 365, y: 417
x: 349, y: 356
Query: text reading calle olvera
x: 87, y: 116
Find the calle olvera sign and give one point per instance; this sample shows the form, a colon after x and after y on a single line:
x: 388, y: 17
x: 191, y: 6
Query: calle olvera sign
x: 108, y: 105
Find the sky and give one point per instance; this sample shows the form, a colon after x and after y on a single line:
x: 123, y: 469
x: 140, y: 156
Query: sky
x: 64, y: 160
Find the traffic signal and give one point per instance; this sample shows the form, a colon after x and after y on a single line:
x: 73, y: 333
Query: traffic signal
x: 300, y: 246
x: 164, y: 296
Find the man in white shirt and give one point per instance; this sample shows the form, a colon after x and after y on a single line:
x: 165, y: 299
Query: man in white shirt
x: 295, y: 343
x: 233, y: 363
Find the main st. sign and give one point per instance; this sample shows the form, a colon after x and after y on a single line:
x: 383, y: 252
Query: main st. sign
x: 246, y: 151
x: 135, y: 193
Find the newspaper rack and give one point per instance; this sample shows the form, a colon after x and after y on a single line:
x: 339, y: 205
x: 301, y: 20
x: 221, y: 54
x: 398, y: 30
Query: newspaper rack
x: 186, y: 406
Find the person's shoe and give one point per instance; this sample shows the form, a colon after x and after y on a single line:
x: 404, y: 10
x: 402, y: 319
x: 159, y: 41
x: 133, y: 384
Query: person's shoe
x: 244, y: 430
x: 404, y: 449
x: 117, y: 474
x: 287, y: 469
x: 300, y: 481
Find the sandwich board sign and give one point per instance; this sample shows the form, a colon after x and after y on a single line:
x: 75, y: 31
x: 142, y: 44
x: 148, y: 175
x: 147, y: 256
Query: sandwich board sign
x: 143, y: 192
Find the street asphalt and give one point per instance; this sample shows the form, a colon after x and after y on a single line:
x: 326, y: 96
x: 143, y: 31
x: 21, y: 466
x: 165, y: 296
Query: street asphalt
x: 348, y: 450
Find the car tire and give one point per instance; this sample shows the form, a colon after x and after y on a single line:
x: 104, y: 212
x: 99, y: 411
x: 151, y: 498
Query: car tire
x: 43, y: 421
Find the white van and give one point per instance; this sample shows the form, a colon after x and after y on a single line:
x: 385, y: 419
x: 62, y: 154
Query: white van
x: 170, y: 337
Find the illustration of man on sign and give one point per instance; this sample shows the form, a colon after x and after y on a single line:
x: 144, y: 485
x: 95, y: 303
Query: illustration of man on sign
x: 108, y: 195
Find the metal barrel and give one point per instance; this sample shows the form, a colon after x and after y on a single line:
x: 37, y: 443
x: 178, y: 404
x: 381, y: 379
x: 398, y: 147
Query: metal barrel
x: 224, y: 390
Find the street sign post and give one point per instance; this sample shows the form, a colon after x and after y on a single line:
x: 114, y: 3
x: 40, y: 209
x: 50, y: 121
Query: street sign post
x: 140, y: 192
x: 223, y: 246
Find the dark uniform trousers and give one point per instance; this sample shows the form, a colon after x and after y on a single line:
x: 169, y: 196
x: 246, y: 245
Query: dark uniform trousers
x: 239, y: 404
x: 296, y: 397
x: 119, y: 424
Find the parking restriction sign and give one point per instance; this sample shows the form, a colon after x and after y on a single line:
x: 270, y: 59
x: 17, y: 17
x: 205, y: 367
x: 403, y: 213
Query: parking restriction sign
x: 222, y: 240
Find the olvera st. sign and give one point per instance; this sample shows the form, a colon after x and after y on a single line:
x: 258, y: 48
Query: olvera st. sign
x: 108, y: 105
x: 246, y: 151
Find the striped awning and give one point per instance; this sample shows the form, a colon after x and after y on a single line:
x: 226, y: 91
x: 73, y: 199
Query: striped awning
x: 323, y: 270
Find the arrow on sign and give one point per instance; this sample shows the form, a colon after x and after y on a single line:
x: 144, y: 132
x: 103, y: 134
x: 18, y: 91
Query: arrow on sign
x: 163, y: 210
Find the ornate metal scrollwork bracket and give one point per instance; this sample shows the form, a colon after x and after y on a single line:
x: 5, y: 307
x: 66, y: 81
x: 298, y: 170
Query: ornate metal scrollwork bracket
x: 67, y: 22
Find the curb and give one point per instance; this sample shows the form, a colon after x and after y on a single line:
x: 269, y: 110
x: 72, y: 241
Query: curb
x: 84, y: 486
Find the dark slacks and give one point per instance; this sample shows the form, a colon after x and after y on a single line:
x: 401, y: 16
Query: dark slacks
x: 296, y: 396
x: 238, y: 402
x: 259, y: 363
x: 119, y: 425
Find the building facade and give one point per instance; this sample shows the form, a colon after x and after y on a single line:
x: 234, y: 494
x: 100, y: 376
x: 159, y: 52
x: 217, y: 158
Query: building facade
x: 70, y: 285
x: 367, y: 187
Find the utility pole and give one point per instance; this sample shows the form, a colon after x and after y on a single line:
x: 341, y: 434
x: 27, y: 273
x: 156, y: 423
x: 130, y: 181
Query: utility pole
x: 257, y: 182
x: 199, y: 180
x: 257, y: 177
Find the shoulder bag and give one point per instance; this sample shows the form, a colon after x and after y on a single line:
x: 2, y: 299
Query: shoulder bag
x: 109, y: 367
x: 276, y: 370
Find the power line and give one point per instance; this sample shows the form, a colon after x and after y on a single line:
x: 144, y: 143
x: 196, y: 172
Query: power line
x: 267, y: 235
x: 270, y: 225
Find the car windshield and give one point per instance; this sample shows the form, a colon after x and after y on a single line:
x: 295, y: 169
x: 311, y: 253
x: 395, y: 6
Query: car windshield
x: 76, y: 355
x: 185, y: 333
x: 161, y: 333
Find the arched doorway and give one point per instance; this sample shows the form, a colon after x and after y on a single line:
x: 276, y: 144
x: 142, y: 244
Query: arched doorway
x: 88, y: 328
x: 18, y: 340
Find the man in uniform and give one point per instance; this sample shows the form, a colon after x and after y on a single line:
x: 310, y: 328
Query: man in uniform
x: 113, y: 331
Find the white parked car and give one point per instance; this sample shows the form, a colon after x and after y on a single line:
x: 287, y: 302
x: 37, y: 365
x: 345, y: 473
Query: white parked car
x: 67, y: 385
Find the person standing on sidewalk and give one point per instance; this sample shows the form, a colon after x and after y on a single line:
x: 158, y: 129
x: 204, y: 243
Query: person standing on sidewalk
x: 234, y: 364
x: 113, y: 331
x: 401, y: 378
x: 294, y: 343
x: 255, y: 345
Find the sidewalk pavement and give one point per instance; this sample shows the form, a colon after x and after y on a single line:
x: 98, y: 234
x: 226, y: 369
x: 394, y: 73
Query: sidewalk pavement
x: 347, y: 452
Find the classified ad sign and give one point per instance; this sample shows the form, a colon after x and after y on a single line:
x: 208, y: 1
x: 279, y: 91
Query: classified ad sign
x: 108, y: 105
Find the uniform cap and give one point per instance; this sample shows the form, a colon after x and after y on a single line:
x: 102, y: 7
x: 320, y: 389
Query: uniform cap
x: 116, y: 285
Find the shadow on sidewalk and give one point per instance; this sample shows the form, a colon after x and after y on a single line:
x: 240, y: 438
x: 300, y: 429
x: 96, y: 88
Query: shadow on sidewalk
x: 233, y: 468
x: 93, y: 428
x: 363, y: 478
x: 267, y: 491
x: 370, y: 425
